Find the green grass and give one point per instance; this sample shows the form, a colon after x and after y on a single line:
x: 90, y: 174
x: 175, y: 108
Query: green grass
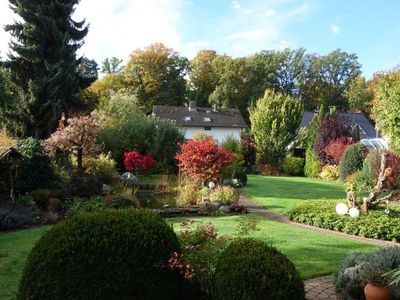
x: 313, y: 253
x: 280, y: 194
x: 14, y: 248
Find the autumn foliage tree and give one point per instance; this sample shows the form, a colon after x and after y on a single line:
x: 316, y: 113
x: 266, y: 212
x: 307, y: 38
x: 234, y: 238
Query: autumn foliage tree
x: 331, y: 128
x: 136, y: 162
x: 203, y: 160
x: 79, y: 136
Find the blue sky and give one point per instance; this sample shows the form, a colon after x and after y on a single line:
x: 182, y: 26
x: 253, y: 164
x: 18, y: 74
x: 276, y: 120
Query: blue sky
x: 371, y: 29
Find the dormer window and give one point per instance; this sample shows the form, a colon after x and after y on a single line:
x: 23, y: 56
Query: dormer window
x: 207, y: 119
x: 188, y: 119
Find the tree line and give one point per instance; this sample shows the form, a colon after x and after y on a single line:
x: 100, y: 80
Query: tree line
x: 158, y: 75
x: 43, y: 76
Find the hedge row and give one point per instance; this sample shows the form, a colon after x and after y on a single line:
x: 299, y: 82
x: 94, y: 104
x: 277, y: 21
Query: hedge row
x: 375, y: 224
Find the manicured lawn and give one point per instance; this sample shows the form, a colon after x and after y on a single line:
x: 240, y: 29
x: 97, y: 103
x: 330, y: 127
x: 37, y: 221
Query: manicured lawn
x: 14, y: 248
x: 279, y: 194
x: 313, y: 253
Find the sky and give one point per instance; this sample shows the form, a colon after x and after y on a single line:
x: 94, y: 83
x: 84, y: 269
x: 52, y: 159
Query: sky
x: 370, y: 29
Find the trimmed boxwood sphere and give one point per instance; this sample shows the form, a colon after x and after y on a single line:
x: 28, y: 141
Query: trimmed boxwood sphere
x: 111, y: 254
x: 250, y: 269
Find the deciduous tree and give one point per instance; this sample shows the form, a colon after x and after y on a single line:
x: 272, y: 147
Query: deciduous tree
x: 386, y: 106
x: 202, y: 77
x: 80, y: 137
x: 275, y: 119
x: 203, y: 160
x: 157, y: 76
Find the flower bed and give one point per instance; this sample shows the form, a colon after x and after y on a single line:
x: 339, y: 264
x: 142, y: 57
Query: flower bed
x: 375, y: 224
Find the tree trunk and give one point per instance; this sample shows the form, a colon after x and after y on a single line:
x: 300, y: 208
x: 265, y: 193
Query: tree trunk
x: 372, y: 198
x: 79, y: 160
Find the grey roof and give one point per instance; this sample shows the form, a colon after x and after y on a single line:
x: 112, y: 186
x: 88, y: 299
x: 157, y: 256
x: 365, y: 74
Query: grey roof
x: 367, y: 129
x: 198, y: 117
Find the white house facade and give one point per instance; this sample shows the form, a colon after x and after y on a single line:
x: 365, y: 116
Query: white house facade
x: 216, y: 122
x: 218, y: 133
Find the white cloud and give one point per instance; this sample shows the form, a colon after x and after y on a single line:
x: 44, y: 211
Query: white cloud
x: 235, y: 4
x: 118, y: 27
x: 260, y: 25
x: 335, y: 29
x: 270, y: 12
x: 6, y: 17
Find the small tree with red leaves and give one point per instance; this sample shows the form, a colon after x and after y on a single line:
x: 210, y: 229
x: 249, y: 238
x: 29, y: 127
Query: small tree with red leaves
x: 334, y: 151
x: 331, y: 128
x: 79, y: 136
x: 203, y: 160
x: 136, y: 162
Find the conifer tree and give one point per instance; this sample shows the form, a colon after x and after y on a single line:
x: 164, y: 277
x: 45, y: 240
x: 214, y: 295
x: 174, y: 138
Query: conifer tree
x: 43, y: 63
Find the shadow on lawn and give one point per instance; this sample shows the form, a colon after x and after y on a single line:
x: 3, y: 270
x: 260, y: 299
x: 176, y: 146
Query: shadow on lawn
x: 293, y: 188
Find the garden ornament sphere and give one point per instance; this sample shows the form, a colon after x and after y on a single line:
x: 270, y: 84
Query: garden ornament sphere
x: 211, y: 185
x: 354, y: 212
x: 342, y: 209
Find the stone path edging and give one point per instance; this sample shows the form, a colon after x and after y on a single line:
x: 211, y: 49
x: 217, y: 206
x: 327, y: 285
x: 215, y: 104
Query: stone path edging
x: 319, y: 288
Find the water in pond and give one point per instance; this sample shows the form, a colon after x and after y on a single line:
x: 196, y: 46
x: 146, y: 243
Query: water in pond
x: 149, y: 199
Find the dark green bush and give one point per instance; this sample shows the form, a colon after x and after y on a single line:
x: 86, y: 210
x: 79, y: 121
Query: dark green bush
x: 235, y: 171
x: 352, y: 160
x: 119, y: 201
x: 40, y: 197
x: 250, y: 269
x: 376, y: 224
x: 36, y: 170
x: 25, y: 200
x: 294, y: 166
x: 357, y: 266
x: 85, y: 185
x: 112, y: 254
x: 77, y: 205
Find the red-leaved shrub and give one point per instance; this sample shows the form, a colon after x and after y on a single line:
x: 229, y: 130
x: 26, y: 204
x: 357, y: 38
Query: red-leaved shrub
x: 334, y: 151
x: 203, y: 160
x: 331, y: 128
x: 136, y: 162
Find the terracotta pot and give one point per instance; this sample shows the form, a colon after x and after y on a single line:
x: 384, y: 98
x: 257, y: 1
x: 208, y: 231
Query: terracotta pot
x: 375, y: 291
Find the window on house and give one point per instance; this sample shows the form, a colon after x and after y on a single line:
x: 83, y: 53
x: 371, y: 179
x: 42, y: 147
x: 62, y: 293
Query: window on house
x: 188, y: 118
x: 207, y: 119
x: 207, y: 128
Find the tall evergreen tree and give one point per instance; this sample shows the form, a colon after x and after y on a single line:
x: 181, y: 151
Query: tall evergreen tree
x: 44, y: 65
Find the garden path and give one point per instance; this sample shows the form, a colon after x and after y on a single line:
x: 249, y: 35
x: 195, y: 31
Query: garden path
x: 319, y: 288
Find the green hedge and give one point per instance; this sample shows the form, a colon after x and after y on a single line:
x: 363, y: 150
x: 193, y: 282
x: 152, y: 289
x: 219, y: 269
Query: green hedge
x: 294, y: 166
x: 111, y: 254
x: 376, y: 224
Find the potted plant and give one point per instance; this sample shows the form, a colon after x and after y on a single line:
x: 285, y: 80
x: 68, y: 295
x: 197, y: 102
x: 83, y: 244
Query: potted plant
x: 377, y: 286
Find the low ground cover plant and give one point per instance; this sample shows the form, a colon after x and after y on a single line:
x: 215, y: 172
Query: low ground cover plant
x: 77, y: 205
x: 374, y: 224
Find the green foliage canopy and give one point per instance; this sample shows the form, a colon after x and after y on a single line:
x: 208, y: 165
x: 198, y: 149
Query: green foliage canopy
x: 274, y: 121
